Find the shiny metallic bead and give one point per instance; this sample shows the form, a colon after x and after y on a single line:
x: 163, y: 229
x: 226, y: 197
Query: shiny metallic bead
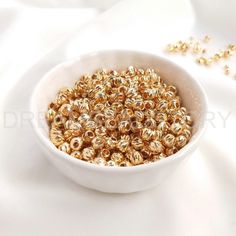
x: 161, y: 116
x: 99, y: 161
x: 123, y: 144
x: 176, y: 128
x: 65, y: 109
x: 109, y: 113
x: 101, y: 131
x: 50, y: 115
x: 76, y: 143
x: 150, y: 123
x: 111, y: 163
x: 156, y: 147
x: 99, y: 119
x: 111, y: 124
x: 59, y: 121
x: 118, y: 106
x: 136, y: 126
x: 149, y: 104
x: 117, y: 157
x: 186, y: 133
x: 135, y: 157
x: 126, y: 113
x: 61, y: 99
x: 88, y: 136
x: 174, y: 103
x: 171, y: 88
x: 168, y: 95
x: 76, y: 154
x: 170, y: 151
x: 105, y: 153
x: 68, y: 92
x: 65, y: 147
x: 147, y: 134
x: 69, y: 134
x: 188, y: 119
x: 139, y: 115
x: 169, y: 140
x: 124, y: 126
x: 75, y: 126
x: 163, y: 126
x: 162, y: 105
x: 181, y: 141
x: 83, y: 118
x: 88, y: 153
x: 138, y: 104
x: 98, y: 142
x: 98, y: 107
x: 90, y: 125
x: 57, y: 139
x: 100, y: 96
x: 111, y: 142
x: 150, y: 113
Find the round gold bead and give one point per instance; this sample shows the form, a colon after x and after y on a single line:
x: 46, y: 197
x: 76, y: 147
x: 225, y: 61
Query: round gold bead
x: 171, y: 151
x: 156, y: 147
x: 99, y: 119
x: 88, y: 153
x: 65, y: 147
x: 186, y: 133
x: 149, y: 104
x: 50, y: 115
x: 65, y: 109
x: 111, y: 124
x: 161, y: 116
x: 124, y: 126
x: 123, y: 145
x: 169, y: 140
x: 59, y: 121
x: 109, y: 113
x: 111, y: 163
x: 135, y: 157
x: 105, y: 153
x: 101, y: 131
x: 139, y: 115
x: 150, y: 123
x: 88, y: 136
x: 136, y: 126
x: 163, y: 126
x: 83, y: 118
x: 76, y: 143
x: 99, y: 161
x: 176, y: 128
x: 181, y: 141
x: 76, y: 154
x: 98, y: 142
x: 150, y: 113
x: 147, y: 134
x: 57, y: 139
x: 117, y: 157
x: 111, y: 142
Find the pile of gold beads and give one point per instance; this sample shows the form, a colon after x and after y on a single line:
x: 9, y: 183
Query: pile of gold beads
x: 198, y: 49
x: 124, y: 118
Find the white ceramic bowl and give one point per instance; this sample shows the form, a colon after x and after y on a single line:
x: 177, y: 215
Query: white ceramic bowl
x: 116, y: 179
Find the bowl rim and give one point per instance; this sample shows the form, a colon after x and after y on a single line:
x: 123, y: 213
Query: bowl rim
x: 182, y: 152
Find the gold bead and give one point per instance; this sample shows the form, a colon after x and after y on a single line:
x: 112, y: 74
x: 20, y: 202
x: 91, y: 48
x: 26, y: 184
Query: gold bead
x: 150, y: 113
x: 111, y: 142
x: 126, y: 113
x: 99, y: 161
x: 98, y: 142
x: 171, y: 151
x: 181, y: 141
x: 99, y: 119
x: 149, y: 104
x: 88, y: 136
x: 139, y: 115
x: 76, y: 154
x: 76, y: 143
x: 169, y: 140
x: 98, y: 107
x: 65, y: 147
x: 150, y: 123
x: 156, y: 147
x: 65, y: 109
x: 162, y: 105
x: 163, y: 126
x: 72, y: 125
x: 101, y: 131
x: 50, y: 115
x: 123, y: 144
x: 186, y: 133
x: 57, y: 139
x: 111, y: 124
x: 136, y: 126
x: 90, y: 125
x: 83, y: 118
x: 61, y: 99
x: 109, y: 113
x: 105, y: 153
x: 135, y: 157
x: 161, y: 116
x: 124, y: 126
x: 88, y: 153
x: 111, y: 163
x: 147, y: 134
x: 117, y: 157
x: 59, y: 121
x: 176, y: 128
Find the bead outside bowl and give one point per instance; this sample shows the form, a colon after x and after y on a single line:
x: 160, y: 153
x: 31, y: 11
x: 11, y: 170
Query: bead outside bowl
x: 117, y: 179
